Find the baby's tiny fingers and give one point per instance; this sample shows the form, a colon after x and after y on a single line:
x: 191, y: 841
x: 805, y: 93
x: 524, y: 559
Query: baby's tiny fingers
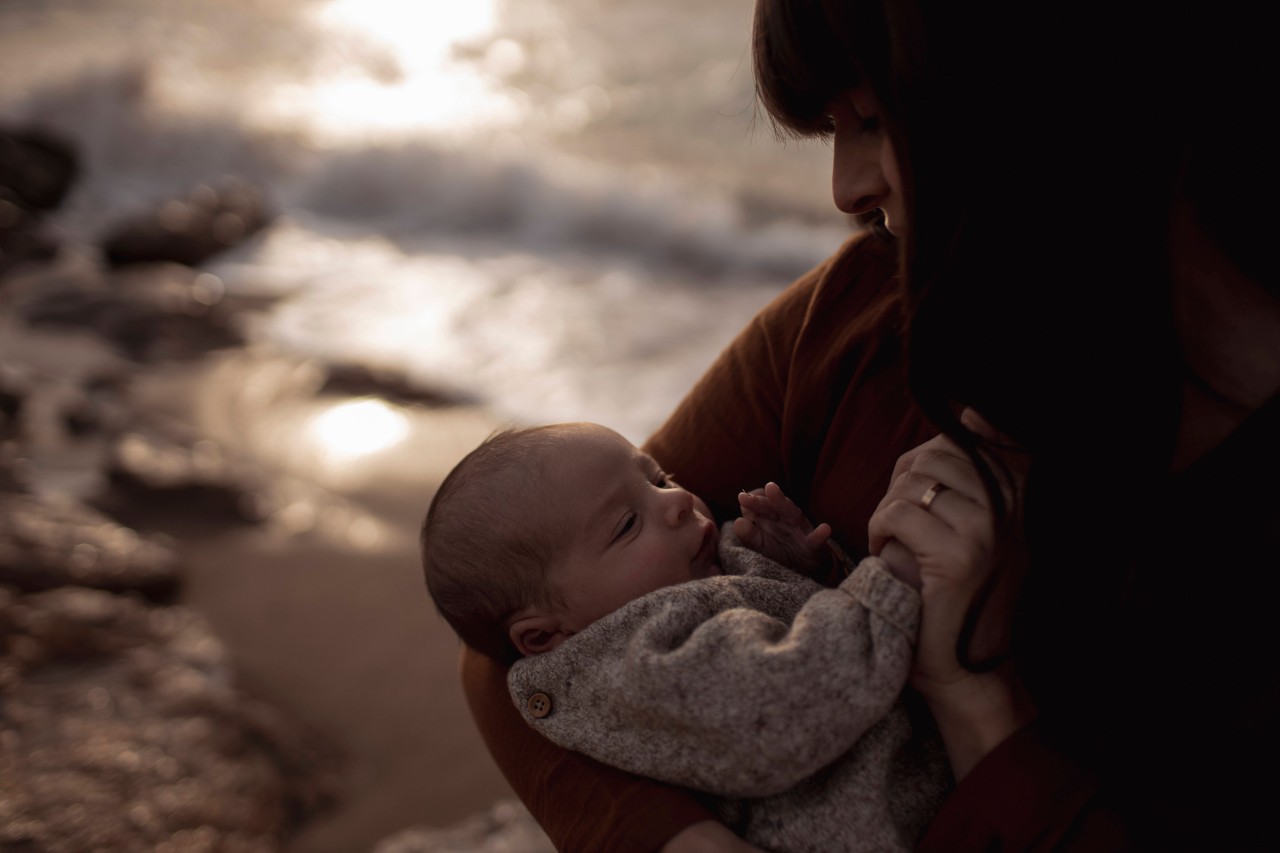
x: 759, y: 504
x: 782, y: 505
x: 818, y: 536
x: 748, y: 534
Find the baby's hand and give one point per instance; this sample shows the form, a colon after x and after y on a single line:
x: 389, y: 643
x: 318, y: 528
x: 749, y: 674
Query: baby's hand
x: 775, y: 527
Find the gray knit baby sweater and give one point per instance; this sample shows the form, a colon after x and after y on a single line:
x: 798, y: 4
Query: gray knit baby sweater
x: 778, y: 696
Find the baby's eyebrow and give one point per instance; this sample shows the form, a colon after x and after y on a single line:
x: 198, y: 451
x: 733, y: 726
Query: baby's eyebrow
x: 600, y: 515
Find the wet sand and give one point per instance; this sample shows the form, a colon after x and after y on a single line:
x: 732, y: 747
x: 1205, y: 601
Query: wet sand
x: 333, y: 624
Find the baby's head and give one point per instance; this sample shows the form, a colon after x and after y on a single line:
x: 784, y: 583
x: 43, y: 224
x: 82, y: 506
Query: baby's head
x: 539, y: 532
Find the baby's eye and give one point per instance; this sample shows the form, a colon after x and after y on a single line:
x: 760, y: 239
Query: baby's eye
x: 662, y: 481
x: 627, y: 523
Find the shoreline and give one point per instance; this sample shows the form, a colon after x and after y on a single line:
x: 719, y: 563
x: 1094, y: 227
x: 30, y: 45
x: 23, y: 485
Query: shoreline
x: 335, y: 627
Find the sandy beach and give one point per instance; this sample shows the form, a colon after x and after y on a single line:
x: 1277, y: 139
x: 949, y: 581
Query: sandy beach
x: 335, y: 626
x: 317, y: 598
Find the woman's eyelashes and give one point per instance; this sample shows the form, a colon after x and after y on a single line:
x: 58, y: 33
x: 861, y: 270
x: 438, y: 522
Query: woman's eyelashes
x: 855, y: 124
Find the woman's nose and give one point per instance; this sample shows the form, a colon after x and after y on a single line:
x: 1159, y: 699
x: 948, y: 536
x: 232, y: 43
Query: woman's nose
x: 858, y: 184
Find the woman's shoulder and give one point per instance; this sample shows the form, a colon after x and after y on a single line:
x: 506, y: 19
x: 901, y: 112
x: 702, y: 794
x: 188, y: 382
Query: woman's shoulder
x: 860, y: 277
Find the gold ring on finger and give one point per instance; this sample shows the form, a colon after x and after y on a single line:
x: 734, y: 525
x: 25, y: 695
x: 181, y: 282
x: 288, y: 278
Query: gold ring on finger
x: 931, y: 494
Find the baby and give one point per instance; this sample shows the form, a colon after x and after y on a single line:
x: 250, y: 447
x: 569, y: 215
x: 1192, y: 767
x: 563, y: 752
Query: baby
x: 644, y: 636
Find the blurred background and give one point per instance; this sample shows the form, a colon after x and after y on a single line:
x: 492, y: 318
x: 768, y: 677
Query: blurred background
x: 267, y: 270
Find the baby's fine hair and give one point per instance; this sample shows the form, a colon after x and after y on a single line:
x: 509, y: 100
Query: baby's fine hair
x: 488, y: 539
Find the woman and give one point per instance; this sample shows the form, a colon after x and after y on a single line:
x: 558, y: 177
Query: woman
x: 1137, y: 359
x: 1134, y: 414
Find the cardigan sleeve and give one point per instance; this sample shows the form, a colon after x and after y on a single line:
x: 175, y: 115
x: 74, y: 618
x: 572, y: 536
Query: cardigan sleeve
x: 582, y: 805
x: 737, y: 686
x: 1025, y: 795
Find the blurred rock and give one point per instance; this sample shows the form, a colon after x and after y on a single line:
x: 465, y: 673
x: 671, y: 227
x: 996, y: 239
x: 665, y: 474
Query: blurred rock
x: 168, y: 468
x: 36, y: 168
x: 505, y: 828
x: 13, y: 395
x: 101, y: 407
x: 36, y: 171
x: 47, y: 543
x: 151, y: 312
x: 358, y: 380
x: 188, y: 230
x: 14, y: 389
x: 124, y: 730
x: 23, y: 238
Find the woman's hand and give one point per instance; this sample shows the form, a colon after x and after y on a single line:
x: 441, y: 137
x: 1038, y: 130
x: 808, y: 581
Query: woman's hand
x: 937, y: 508
x: 774, y: 526
x: 708, y: 836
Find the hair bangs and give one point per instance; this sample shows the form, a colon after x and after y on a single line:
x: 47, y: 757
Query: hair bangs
x: 801, y: 64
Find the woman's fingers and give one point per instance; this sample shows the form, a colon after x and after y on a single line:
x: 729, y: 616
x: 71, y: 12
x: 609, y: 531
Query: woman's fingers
x: 901, y: 562
x: 941, y: 460
x: 954, y: 538
x: 951, y: 505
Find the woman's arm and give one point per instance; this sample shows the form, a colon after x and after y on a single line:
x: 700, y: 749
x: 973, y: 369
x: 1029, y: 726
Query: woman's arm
x: 709, y: 836
x: 810, y: 395
x: 582, y: 805
x: 1015, y: 791
x: 937, y: 507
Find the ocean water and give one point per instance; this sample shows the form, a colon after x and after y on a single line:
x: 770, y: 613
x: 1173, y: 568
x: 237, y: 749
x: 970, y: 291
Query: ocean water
x: 564, y: 208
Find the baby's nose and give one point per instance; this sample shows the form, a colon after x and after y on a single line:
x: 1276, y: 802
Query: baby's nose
x: 679, y: 506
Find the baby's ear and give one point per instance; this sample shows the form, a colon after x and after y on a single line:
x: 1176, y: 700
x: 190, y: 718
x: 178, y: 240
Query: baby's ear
x: 536, y: 633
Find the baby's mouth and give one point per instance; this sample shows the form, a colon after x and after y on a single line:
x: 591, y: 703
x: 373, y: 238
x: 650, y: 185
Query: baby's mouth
x: 704, y: 562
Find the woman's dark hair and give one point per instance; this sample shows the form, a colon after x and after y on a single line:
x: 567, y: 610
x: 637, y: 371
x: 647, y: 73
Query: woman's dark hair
x: 1042, y: 149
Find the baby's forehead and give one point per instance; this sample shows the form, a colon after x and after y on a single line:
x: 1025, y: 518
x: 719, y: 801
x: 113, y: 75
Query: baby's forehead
x: 599, y: 453
x: 592, y: 465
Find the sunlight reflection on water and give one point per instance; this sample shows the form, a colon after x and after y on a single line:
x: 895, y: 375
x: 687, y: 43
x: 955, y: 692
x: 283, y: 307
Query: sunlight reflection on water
x: 400, y: 77
x: 358, y: 428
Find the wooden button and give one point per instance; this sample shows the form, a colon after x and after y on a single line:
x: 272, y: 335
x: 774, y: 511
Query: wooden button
x: 539, y: 705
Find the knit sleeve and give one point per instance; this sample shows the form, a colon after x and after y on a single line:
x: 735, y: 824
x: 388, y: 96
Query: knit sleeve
x: 741, y: 703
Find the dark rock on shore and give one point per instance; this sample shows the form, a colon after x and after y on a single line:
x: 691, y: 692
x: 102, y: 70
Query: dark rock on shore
x: 23, y: 238
x: 100, y: 408
x: 13, y: 394
x: 155, y: 467
x: 358, y: 380
x: 123, y: 730
x: 36, y: 168
x: 36, y: 171
x: 151, y: 312
x: 47, y: 543
x: 191, y: 229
